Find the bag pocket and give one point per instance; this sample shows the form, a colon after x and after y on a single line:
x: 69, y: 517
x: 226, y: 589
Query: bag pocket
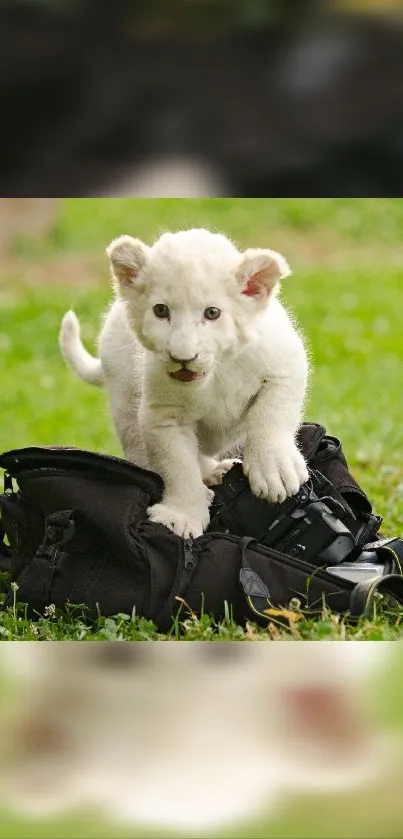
x: 82, y: 569
x: 218, y: 579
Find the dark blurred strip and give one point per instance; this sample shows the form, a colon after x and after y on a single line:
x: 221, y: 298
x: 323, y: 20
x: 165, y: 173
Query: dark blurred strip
x: 270, y: 98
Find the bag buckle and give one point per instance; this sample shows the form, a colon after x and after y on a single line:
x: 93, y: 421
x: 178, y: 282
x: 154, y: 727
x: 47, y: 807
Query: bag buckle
x: 59, y: 530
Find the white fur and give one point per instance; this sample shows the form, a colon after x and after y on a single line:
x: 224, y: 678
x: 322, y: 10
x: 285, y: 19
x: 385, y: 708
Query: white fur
x: 87, y: 367
x: 251, y: 362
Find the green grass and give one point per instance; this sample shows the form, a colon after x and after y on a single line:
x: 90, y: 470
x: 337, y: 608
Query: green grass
x: 90, y: 223
x: 346, y: 292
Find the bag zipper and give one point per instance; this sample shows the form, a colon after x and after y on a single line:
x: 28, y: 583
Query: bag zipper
x: 189, y: 560
x: 184, y: 572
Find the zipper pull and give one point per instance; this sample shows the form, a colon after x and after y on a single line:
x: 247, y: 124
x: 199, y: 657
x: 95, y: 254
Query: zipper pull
x: 188, y: 550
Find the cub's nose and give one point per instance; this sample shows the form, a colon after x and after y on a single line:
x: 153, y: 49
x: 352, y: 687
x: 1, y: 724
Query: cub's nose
x: 183, y: 361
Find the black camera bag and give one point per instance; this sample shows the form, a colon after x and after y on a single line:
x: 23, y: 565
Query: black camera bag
x: 74, y: 529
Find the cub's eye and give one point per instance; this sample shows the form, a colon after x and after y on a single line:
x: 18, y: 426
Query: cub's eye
x: 161, y: 310
x: 212, y: 313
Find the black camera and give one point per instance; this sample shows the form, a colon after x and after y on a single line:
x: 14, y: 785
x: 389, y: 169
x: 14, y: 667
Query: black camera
x: 304, y: 526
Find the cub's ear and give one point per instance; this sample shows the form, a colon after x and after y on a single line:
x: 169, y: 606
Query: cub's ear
x: 128, y: 257
x: 260, y: 271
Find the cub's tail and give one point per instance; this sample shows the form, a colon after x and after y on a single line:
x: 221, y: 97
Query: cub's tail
x: 85, y: 365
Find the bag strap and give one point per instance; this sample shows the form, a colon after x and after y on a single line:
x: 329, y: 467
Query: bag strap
x: 309, y: 438
x: 394, y: 547
x: 363, y: 525
x: 258, y: 595
x: 363, y: 593
x: 255, y: 590
x: 37, y: 576
x: 324, y: 453
x: 5, y: 551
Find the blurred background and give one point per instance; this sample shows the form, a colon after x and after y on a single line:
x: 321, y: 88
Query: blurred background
x: 201, y: 98
x: 198, y: 740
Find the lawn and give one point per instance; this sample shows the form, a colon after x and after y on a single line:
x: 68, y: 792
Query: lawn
x: 345, y: 291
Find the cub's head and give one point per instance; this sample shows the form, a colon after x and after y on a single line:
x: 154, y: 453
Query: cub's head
x: 192, y: 297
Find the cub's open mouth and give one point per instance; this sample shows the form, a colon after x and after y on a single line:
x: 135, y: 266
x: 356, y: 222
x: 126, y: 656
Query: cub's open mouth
x: 185, y: 375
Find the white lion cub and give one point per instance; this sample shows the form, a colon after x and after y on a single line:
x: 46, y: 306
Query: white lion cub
x: 198, y: 356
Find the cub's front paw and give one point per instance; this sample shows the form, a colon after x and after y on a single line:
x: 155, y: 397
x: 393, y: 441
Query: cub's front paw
x: 276, y: 473
x: 186, y: 523
x: 216, y: 470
